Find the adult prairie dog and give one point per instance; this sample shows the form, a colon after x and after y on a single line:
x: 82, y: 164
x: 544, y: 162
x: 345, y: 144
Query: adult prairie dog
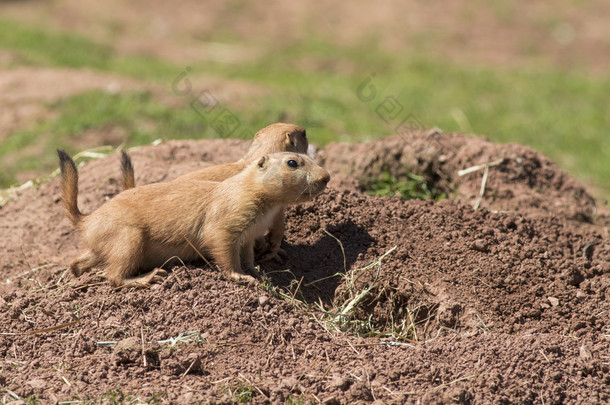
x: 144, y: 227
x: 278, y: 137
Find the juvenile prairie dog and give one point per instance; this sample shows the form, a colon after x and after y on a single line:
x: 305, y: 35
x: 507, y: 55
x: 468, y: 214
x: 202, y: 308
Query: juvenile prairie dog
x: 278, y: 137
x: 144, y: 227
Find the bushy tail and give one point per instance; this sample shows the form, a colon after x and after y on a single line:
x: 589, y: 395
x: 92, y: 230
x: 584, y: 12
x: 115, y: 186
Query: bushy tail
x: 69, y: 187
x: 129, y: 180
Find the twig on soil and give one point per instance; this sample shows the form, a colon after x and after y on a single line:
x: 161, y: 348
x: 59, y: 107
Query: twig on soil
x: 458, y: 380
x: 485, y: 327
x: 252, y: 384
x: 12, y: 394
x: 35, y: 269
x: 25, y: 258
x: 475, y: 168
x: 183, y: 337
x: 99, y: 314
x: 145, y: 363
x: 44, y: 290
x: 589, y: 246
x: 412, y: 325
x: 392, y: 343
x: 199, y: 253
x: 355, y: 376
x: 326, y: 372
x: 398, y: 393
x: 322, y: 279
x: 62, y: 277
x: 82, y: 287
x: 482, y: 191
x: 296, y: 290
x: 342, y: 249
x: 189, y: 368
x: 438, y: 333
x: 368, y: 379
x: 353, y: 348
x: 54, y: 328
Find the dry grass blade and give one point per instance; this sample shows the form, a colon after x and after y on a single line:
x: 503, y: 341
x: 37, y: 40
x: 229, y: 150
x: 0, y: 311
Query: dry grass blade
x: 198, y: 253
x: 476, y: 168
x: 144, y: 361
x: 458, y: 380
x: 482, y: 191
x: 342, y: 249
x: 54, y: 328
x: 341, y: 319
x: 348, y: 307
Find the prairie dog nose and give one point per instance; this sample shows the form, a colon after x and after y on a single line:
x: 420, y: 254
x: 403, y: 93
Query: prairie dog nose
x: 325, y: 177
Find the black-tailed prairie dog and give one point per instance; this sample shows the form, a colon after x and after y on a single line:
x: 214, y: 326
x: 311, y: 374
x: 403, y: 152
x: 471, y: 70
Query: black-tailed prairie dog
x: 143, y: 227
x: 278, y: 137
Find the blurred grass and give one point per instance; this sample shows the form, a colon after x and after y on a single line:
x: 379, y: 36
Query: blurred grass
x: 314, y: 84
x: 39, y: 47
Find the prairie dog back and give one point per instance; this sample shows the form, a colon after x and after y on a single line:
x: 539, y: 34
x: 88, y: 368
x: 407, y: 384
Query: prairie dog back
x: 277, y: 137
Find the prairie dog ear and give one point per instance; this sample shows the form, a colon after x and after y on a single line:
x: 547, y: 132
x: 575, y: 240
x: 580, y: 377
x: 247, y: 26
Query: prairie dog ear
x: 262, y: 162
x: 289, y: 141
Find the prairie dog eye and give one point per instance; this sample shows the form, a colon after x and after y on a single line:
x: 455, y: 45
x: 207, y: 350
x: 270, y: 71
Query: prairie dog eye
x: 292, y: 163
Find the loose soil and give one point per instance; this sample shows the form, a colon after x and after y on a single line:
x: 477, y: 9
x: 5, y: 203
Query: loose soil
x: 504, y: 304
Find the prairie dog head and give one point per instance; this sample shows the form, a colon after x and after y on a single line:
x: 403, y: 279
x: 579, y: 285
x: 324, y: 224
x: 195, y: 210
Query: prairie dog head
x: 290, y: 178
x: 278, y: 137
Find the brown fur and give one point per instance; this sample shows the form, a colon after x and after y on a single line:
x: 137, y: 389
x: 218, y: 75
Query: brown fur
x: 278, y: 137
x: 143, y: 227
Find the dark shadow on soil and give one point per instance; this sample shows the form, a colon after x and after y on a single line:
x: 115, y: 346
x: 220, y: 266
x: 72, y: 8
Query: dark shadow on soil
x: 320, y: 265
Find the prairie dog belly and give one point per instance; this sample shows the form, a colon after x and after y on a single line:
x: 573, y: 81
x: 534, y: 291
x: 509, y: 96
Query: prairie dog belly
x: 260, y: 226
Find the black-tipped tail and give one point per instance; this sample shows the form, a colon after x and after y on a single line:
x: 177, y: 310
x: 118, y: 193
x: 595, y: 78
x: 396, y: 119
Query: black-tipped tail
x: 129, y: 180
x: 69, y: 186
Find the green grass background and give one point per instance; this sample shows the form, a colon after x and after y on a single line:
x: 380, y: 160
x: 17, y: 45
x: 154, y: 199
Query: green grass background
x: 563, y: 114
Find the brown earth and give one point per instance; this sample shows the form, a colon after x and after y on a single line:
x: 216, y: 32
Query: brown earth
x: 504, y: 304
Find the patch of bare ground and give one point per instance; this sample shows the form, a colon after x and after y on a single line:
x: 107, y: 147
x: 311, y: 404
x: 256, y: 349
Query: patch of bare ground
x: 471, y: 306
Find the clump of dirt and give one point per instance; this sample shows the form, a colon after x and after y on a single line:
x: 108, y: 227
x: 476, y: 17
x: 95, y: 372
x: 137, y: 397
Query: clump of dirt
x: 519, y: 179
x: 491, y: 307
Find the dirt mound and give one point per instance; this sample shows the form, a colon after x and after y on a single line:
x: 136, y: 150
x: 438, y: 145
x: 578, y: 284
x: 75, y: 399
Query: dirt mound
x: 519, y: 179
x: 466, y: 306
